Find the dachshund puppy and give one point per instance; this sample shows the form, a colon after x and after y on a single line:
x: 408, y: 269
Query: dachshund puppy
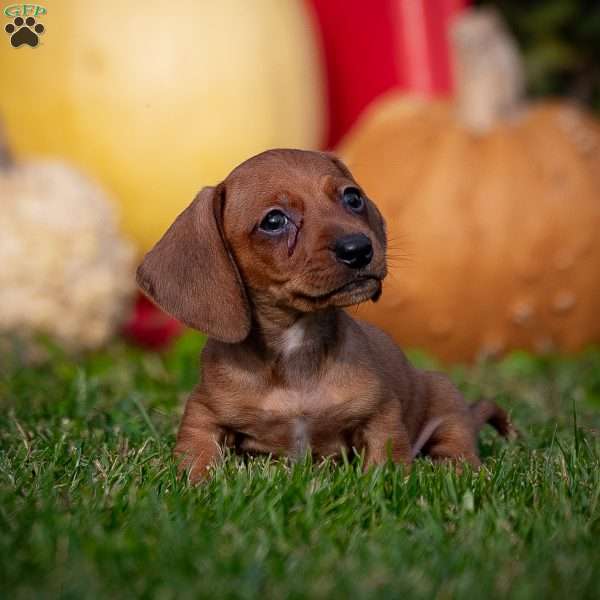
x: 264, y: 263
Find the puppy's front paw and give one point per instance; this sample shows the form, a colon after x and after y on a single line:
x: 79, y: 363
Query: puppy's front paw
x: 194, y: 469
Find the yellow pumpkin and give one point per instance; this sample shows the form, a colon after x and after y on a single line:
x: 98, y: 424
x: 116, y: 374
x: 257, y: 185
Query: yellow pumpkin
x: 492, y: 206
x: 159, y: 98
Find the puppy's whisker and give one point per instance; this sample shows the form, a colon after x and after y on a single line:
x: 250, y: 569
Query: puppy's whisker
x: 398, y: 260
x: 397, y: 253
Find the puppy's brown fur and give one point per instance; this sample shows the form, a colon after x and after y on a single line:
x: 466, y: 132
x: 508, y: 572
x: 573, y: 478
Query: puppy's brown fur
x: 285, y: 369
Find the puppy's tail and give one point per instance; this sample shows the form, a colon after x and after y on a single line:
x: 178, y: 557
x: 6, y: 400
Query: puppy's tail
x: 488, y: 412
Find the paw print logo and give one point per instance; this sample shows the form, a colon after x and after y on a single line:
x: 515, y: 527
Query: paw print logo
x: 24, y: 31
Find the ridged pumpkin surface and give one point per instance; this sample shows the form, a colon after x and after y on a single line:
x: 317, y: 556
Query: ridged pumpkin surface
x: 158, y: 98
x: 494, y: 238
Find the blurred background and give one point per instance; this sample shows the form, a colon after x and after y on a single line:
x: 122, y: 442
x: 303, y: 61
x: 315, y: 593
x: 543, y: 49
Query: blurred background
x: 473, y: 125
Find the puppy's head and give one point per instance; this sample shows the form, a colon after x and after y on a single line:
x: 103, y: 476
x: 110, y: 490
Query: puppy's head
x: 288, y: 228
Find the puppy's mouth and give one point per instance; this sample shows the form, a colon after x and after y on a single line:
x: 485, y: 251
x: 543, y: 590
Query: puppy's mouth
x: 352, y: 292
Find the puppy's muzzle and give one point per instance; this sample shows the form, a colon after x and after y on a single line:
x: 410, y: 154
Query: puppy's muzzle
x: 354, y: 250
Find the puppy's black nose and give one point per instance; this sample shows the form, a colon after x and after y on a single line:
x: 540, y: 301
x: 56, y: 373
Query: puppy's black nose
x: 354, y: 250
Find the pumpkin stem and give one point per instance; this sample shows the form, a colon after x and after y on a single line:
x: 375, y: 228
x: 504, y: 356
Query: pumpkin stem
x: 488, y: 70
x: 6, y: 157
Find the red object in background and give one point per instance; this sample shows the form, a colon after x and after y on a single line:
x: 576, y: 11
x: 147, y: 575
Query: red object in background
x: 151, y: 327
x: 371, y: 47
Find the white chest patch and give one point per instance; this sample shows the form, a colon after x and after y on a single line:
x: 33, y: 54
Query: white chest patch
x: 293, y: 338
x: 300, y: 437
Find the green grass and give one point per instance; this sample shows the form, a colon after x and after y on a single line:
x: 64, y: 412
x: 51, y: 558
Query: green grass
x: 90, y: 505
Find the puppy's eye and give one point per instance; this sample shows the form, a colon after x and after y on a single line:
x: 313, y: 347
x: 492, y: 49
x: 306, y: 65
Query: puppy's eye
x: 353, y: 200
x: 274, y: 221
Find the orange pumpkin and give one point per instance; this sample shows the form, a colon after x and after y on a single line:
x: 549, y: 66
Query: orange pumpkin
x: 493, y: 209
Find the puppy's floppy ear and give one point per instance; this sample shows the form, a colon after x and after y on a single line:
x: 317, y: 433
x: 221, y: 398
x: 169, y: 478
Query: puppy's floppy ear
x: 191, y: 274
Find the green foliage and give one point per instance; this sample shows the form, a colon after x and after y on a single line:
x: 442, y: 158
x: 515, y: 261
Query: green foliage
x: 90, y: 505
x: 560, y: 40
